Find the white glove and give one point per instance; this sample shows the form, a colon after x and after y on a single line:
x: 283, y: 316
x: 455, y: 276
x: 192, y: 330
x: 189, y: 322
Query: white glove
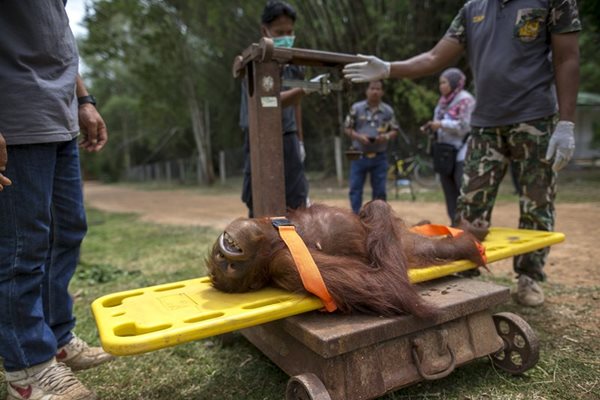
x: 562, y: 145
x: 302, y: 152
x: 322, y: 79
x: 373, y: 69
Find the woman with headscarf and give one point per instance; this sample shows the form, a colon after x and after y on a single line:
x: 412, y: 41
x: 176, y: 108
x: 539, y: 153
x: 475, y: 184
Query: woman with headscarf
x: 451, y: 125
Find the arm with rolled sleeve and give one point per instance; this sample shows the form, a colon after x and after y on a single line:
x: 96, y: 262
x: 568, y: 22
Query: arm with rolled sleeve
x: 461, y: 125
x: 443, y: 54
x: 300, y: 131
x: 454, y: 126
x: 92, y: 126
x: 350, y: 124
x: 564, y: 27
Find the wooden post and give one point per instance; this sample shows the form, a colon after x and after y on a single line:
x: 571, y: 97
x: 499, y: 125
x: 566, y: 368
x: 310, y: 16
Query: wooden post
x: 199, y: 171
x: 266, y: 138
x: 168, y: 172
x: 181, y: 167
x: 222, y: 172
x: 337, y: 143
x: 157, y: 172
x: 339, y: 140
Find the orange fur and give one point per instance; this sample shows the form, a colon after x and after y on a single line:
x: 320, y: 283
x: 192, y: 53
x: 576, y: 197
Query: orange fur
x: 363, y: 259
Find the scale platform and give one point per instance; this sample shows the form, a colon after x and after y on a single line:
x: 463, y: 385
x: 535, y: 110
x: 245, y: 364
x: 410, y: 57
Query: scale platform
x: 147, y: 319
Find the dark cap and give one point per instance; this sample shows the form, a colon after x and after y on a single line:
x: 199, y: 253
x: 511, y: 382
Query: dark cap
x: 275, y: 9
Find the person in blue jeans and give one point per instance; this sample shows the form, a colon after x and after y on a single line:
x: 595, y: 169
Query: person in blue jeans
x: 44, y: 106
x: 370, y: 125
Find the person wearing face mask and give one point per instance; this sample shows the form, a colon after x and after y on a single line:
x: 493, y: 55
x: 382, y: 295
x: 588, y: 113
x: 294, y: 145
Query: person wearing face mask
x: 278, y: 19
x: 451, y: 125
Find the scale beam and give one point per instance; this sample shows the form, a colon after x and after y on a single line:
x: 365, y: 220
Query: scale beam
x: 260, y: 64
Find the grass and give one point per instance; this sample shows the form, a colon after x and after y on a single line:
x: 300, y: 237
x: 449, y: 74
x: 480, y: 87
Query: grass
x: 122, y: 253
x: 568, y: 367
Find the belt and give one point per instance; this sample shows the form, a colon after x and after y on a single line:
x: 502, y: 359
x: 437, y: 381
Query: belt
x: 372, y: 155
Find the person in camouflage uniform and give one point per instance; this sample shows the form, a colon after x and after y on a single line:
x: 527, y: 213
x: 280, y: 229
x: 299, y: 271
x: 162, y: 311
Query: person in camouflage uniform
x: 490, y: 151
x: 518, y: 50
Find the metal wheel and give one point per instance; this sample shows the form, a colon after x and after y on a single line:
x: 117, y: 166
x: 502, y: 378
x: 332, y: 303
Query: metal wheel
x: 521, y: 346
x: 306, y: 387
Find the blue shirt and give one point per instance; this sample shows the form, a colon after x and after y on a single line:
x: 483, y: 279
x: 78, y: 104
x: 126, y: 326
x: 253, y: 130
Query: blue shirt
x: 371, y: 123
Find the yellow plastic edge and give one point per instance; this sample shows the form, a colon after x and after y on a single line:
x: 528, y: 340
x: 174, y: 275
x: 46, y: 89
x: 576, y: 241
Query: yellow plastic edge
x: 147, y: 319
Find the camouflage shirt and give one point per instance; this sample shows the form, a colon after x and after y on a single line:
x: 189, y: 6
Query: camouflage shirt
x: 508, y: 44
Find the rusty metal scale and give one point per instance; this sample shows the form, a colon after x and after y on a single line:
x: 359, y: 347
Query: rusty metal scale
x: 337, y: 357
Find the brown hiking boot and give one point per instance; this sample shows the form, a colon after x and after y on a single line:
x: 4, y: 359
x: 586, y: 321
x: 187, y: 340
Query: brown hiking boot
x: 78, y: 355
x: 529, y: 293
x: 47, y: 381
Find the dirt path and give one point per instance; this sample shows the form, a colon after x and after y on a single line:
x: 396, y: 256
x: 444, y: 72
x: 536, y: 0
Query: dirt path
x: 574, y: 263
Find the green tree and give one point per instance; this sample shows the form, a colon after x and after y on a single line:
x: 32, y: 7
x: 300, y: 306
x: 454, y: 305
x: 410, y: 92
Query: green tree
x: 162, y: 69
x: 144, y: 51
x: 590, y: 46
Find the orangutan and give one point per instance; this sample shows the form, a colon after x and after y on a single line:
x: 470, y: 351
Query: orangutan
x: 363, y: 259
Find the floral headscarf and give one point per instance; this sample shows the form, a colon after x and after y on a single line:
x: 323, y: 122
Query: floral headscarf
x: 456, y: 80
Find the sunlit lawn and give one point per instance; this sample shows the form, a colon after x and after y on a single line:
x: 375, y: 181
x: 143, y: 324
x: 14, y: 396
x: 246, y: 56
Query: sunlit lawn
x: 122, y: 253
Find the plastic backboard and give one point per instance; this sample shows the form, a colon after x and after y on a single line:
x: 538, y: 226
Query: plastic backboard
x: 146, y: 319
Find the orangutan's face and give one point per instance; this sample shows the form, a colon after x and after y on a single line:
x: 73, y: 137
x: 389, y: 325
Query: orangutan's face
x: 239, y: 258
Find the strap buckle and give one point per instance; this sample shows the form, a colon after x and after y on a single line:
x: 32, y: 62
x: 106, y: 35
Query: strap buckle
x: 305, y: 264
x: 281, y: 221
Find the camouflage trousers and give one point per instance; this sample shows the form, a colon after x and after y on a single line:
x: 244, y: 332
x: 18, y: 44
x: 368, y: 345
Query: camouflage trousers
x: 523, y: 147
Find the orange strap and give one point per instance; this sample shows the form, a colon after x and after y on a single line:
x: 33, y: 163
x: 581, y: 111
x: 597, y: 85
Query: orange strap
x: 436, y: 230
x: 309, y: 273
x: 481, y: 249
x: 440, y: 230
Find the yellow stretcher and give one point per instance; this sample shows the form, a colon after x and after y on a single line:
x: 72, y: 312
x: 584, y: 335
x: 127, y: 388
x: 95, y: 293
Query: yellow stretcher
x: 146, y: 319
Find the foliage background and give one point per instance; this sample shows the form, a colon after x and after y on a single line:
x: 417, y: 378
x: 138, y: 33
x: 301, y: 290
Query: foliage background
x: 162, y: 71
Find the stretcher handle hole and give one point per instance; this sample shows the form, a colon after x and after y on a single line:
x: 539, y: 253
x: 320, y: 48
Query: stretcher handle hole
x: 265, y: 303
x: 167, y: 288
x: 133, y: 329
x: 114, y: 301
x: 204, y: 317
